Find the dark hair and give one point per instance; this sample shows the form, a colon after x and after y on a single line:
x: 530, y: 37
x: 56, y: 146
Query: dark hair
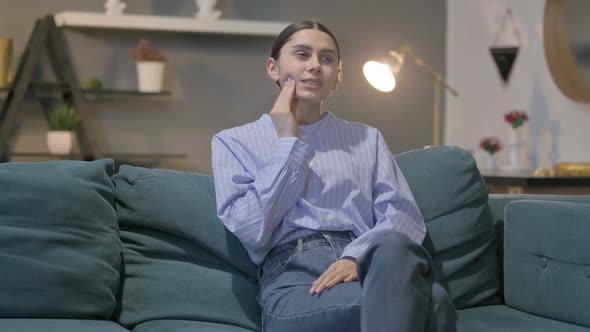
x: 286, y: 34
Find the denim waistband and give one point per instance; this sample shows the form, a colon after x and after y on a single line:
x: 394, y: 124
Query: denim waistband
x: 310, y: 241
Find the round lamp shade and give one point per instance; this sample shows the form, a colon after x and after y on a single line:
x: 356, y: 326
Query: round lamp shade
x: 379, y: 75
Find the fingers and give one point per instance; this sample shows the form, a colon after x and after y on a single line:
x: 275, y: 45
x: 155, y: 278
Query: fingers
x: 341, y: 271
x: 285, y: 98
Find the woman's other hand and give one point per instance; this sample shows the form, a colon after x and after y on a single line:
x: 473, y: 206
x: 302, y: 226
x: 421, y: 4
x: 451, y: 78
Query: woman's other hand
x: 343, y: 270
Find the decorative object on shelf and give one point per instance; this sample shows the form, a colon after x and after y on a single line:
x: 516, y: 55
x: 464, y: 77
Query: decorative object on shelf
x: 115, y: 7
x: 516, y: 119
x: 151, y: 65
x: 504, y: 56
x: 5, y: 62
x: 572, y: 169
x: 381, y: 75
x: 93, y: 84
x: 206, y: 10
x: 63, y: 121
x: 491, y: 145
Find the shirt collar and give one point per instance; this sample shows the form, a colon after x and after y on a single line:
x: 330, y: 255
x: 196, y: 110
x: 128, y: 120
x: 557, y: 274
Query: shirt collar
x: 307, y: 129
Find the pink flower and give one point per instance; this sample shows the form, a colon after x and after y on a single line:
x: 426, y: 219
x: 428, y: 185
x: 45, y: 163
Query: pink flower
x: 144, y: 52
x: 490, y: 144
x: 516, y: 118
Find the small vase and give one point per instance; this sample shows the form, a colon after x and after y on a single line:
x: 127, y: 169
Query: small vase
x: 491, y: 164
x: 206, y: 10
x: 515, y: 144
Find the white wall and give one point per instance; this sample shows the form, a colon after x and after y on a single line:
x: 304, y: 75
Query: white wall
x: 559, y: 128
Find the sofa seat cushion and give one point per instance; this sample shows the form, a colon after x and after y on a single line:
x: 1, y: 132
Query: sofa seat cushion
x: 547, y: 259
x: 180, y: 261
x: 59, y: 325
x: 501, y: 318
x: 60, y: 253
x: 453, y: 199
x: 186, y: 326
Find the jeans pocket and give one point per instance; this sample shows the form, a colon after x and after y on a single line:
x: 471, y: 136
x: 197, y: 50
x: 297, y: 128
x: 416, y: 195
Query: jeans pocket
x: 275, y: 266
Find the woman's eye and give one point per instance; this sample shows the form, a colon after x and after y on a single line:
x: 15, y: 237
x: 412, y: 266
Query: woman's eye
x: 301, y: 54
x: 328, y: 59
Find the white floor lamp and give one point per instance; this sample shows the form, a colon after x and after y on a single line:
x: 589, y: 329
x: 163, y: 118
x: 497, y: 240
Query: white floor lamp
x: 381, y: 75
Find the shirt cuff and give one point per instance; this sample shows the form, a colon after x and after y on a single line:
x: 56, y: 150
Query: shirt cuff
x: 294, y: 149
x: 353, y: 250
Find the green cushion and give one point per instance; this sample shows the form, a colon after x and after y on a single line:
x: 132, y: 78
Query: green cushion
x: 59, y: 325
x: 180, y: 261
x: 186, y: 326
x: 547, y: 259
x: 501, y: 318
x: 60, y: 254
x: 452, y: 197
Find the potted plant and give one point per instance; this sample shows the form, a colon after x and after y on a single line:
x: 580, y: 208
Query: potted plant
x: 150, y: 66
x: 63, y: 121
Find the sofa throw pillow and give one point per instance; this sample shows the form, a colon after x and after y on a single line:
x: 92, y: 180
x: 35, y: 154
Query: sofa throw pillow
x: 547, y: 260
x: 453, y: 199
x: 60, y: 254
x: 180, y: 261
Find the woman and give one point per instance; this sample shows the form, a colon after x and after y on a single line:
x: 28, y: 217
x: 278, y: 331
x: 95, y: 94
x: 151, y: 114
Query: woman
x: 321, y: 206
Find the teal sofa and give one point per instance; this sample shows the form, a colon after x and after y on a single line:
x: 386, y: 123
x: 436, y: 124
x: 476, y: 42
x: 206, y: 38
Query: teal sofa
x: 83, y: 249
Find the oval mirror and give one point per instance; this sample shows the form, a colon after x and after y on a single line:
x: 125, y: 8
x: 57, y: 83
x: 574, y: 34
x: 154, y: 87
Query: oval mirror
x: 567, y: 46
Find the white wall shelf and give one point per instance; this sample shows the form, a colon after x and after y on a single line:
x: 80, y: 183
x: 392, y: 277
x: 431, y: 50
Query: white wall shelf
x: 168, y: 23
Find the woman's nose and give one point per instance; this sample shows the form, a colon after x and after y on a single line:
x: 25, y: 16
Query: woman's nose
x: 314, y: 64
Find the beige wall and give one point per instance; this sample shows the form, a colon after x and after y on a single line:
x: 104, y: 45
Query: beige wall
x: 558, y: 129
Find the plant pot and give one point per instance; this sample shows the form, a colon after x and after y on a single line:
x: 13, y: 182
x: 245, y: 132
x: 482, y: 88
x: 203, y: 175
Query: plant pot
x: 150, y: 75
x: 60, y: 141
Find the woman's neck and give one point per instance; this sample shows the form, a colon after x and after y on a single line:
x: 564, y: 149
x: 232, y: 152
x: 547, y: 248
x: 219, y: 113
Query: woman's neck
x: 308, y: 114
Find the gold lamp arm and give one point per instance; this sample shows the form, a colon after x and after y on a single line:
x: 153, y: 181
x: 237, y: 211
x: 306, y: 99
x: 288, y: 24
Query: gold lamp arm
x: 439, y: 82
x: 407, y: 50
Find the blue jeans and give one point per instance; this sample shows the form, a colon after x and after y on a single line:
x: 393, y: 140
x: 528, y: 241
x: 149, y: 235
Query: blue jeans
x: 395, y: 291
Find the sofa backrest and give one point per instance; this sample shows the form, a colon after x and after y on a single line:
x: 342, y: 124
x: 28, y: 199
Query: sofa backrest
x: 547, y: 259
x: 60, y: 253
x: 180, y: 261
x: 453, y: 199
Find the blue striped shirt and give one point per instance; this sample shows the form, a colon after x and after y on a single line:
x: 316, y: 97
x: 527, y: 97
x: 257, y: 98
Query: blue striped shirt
x: 336, y: 176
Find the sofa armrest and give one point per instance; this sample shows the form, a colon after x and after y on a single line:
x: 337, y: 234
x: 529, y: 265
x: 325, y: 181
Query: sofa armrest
x: 547, y: 259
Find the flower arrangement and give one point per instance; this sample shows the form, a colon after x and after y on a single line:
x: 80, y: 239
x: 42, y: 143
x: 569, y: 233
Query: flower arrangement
x: 516, y: 118
x: 490, y: 144
x: 144, y: 52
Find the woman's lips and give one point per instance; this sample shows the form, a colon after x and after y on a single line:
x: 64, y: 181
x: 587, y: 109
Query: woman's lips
x: 311, y: 83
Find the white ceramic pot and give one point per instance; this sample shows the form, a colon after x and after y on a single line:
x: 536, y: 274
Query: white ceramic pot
x: 150, y: 75
x: 60, y: 141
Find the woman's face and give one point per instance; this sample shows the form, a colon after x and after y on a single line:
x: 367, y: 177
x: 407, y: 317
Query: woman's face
x: 311, y: 58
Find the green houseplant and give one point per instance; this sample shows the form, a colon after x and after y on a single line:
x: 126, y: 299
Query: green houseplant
x: 63, y: 121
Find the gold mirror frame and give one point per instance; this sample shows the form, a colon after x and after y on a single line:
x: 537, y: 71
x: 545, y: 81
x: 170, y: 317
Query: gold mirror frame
x: 560, y: 59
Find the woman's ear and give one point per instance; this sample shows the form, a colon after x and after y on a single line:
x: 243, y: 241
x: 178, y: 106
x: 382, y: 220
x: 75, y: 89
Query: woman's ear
x: 272, y: 69
x: 338, y: 79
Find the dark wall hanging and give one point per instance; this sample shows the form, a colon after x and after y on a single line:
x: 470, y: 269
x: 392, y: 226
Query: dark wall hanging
x: 504, y: 56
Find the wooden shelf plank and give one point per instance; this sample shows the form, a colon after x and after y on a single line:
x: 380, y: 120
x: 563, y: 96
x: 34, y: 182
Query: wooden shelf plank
x: 168, y: 23
x: 54, y: 89
x: 106, y: 155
